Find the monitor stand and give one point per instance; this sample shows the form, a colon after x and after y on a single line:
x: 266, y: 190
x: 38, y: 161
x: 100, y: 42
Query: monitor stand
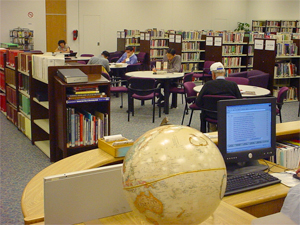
x: 244, y: 167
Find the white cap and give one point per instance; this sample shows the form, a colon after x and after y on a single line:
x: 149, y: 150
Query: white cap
x: 217, y: 66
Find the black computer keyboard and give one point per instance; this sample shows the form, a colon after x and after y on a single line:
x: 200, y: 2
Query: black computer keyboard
x: 249, y: 181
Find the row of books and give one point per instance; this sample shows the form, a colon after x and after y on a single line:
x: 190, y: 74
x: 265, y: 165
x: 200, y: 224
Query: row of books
x: 41, y: 62
x: 24, y: 104
x: 157, y: 52
x: 158, y: 43
x: 85, y: 128
x: 233, y: 37
x: 11, y: 95
x: 19, y: 32
x: 272, y: 29
x: 272, y: 23
x: 231, y: 61
x: 285, y: 70
x: 189, y: 67
x: 250, y: 61
x: 2, y: 52
x: 250, y: 50
x: 287, y: 49
x: 131, y: 33
x: 2, y: 102
x: 131, y: 41
x: 192, y: 35
x: 157, y: 33
x: 10, y: 59
x: 190, y: 56
x: 186, y: 46
x: 23, y: 59
x: 12, y: 114
x: 230, y: 70
x: 24, y: 125
x: 23, y: 83
x: 288, y: 153
x: 232, y: 49
x: 2, y: 80
x: 10, y: 76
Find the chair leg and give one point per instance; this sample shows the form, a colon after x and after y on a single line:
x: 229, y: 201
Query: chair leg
x: 121, y: 106
x: 203, y: 123
x: 299, y: 109
x: 280, y: 118
x: 191, y: 116
x: 184, y: 112
x: 129, y: 107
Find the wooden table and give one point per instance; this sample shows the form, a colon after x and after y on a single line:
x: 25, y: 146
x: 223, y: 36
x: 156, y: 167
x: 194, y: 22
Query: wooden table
x: 225, y: 214
x: 254, y: 202
x: 246, y: 90
x: 165, y: 78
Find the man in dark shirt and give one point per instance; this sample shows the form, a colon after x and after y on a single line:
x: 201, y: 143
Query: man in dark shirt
x: 217, y: 86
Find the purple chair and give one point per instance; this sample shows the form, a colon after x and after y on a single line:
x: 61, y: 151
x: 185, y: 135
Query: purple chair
x: 206, y: 74
x: 209, y: 111
x: 190, y: 98
x: 81, y: 62
x: 256, y: 77
x: 179, y: 89
x: 141, y: 57
x: 134, y: 67
x: 116, y: 89
x: 142, y: 89
x: 282, y: 93
x: 86, y: 55
x: 238, y: 80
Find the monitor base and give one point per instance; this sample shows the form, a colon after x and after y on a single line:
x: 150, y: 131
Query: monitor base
x: 244, y: 167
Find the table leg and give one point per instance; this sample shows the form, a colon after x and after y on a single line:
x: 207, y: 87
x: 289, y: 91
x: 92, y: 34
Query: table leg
x: 167, y: 95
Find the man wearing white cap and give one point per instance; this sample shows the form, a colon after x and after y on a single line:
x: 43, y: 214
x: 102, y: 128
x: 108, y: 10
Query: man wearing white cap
x: 218, y: 85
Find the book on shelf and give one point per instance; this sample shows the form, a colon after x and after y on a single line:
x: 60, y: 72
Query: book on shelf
x: 285, y: 70
x: 87, y: 100
x: 72, y: 75
x: 2, y: 102
x: 288, y: 153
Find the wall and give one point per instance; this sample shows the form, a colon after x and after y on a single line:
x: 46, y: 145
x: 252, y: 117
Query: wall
x: 14, y: 13
x: 142, y: 14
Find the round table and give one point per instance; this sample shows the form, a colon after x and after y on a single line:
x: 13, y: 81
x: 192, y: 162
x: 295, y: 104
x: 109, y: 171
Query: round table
x: 118, y: 65
x: 164, y: 77
x: 247, y: 91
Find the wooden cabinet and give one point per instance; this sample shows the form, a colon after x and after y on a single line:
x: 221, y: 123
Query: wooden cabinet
x: 61, y: 125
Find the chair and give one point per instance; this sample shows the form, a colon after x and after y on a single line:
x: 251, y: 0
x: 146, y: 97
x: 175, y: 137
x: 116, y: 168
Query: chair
x: 238, y: 80
x: 179, y: 89
x: 133, y: 67
x: 116, y: 89
x: 141, y: 57
x: 142, y: 89
x: 190, y: 98
x: 209, y: 109
x: 282, y: 93
x: 206, y: 74
x: 86, y: 55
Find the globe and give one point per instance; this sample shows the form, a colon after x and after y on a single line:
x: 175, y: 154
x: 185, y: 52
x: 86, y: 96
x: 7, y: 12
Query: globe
x: 174, y: 175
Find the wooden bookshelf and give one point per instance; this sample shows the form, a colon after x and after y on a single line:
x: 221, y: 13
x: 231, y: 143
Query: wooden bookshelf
x: 273, y: 26
x: 59, y: 147
x: 2, y: 81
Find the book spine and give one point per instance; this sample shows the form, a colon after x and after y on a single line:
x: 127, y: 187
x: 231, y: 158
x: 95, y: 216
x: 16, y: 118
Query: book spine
x: 104, y: 99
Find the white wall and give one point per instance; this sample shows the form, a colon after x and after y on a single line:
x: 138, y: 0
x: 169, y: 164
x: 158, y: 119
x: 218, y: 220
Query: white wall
x: 142, y: 14
x: 14, y: 13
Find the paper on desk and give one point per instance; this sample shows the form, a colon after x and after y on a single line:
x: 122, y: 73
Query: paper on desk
x: 287, y: 179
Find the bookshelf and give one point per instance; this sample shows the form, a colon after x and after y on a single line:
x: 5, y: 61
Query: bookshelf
x: 273, y: 26
x: 286, y: 70
x: 23, y: 37
x: 128, y: 38
x: 193, y: 51
x: 60, y: 118
x: 2, y: 81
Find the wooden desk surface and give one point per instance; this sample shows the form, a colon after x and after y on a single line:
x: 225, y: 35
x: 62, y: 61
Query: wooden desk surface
x: 32, y: 201
x: 225, y: 214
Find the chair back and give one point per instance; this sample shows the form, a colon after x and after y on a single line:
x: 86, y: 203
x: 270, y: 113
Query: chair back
x: 261, y: 80
x: 141, y: 86
x: 141, y: 57
x: 282, y: 93
x: 210, y: 104
x: 86, y: 55
x: 189, y: 91
x: 188, y: 77
x: 133, y: 67
x: 238, y: 80
x: 206, y: 66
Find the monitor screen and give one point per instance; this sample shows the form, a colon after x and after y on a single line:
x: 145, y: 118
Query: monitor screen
x: 246, y: 130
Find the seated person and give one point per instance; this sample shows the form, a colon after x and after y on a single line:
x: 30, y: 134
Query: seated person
x: 173, y: 60
x: 128, y: 57
x: 217, y: 86
x: 62, y: 47
x: 101, y: 60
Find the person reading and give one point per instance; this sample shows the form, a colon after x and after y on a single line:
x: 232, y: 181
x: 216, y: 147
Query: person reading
x: 173, y: 61
x: 101, y: 60
x: 128, y: 57
x: 62, y: 47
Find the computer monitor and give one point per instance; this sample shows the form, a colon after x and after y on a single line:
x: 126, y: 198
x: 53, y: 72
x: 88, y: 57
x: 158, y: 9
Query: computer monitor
x: 246, y: 133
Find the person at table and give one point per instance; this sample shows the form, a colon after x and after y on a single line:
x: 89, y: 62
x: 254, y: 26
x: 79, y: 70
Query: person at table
x: 101, y: 60
x: 128, y: 57
x: 217, y: 86
x: 62, y: 47
x: 173, y: 60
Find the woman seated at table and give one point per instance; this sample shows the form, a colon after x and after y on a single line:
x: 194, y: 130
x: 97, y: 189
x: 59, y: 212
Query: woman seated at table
x: 62, y: 47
